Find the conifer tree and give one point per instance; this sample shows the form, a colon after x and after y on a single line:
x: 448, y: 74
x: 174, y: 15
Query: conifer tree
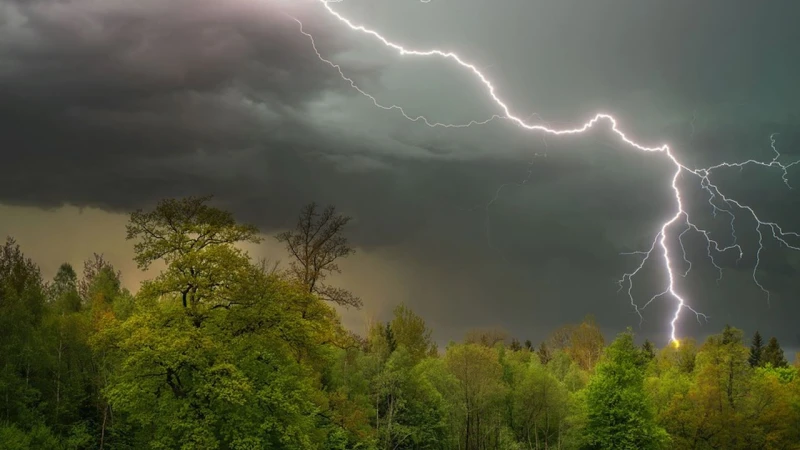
x: 544, y: 353
x: 648, y: 349
x: 773, y: 354
x: 756, y: 350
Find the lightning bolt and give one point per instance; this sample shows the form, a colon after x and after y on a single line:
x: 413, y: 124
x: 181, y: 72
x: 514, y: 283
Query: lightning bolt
x: 719, y: 202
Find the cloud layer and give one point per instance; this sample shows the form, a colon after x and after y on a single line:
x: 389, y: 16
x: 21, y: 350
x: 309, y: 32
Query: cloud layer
x: 117, y: 104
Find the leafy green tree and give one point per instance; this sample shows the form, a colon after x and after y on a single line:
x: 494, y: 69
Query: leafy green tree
x: 541, y: 406
x: 351, y: 405
x: 379, y: 343
x: 236, y: 362
x: 91, y: 268
x: 731, y: 335
x: 22, y: 308
x: 586, y: 343
x: 409, y: 330
x: 481, y: 392
x: 411, y: 414
x: 391, y: 342
x: 771, y: 409
x: 713, y: 413
x: 445, y: 388
x: 195, y: 241
x: 567, y: 371
x: 68, y: 361
x: 756, y: 350
x: 619, y: 413
x: 64, y: 289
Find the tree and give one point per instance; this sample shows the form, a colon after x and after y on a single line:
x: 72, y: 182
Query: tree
x: 543, y: 352
x: 540, y: 406
x: 410, y: 413
x: 619, y: 413
x: 316, y: 244
x: 560, y: 338
x: 196, y: 242
x: 756, y: 350
x: 64, y: 290
x: 65, y: 280
x: 528, y: 345
x: 237, y: 361
x: 481, y: 390
x: 648, y: 350
x: 586, y: 343
x: 22, y: 308
x: 488, y: 337
x: 410, y: 331
x: 773, y: 354
x: 391, y: 342
x: 713, y: 413
x: 731, y: 335
x: 91, y: 268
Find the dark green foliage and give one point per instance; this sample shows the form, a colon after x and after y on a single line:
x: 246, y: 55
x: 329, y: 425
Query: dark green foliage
x: 773, y: 354
x: 731, y: 335
x: 756, y: 350
x: 544, y: 353
x: 649, y: 350
x: 390, y: 340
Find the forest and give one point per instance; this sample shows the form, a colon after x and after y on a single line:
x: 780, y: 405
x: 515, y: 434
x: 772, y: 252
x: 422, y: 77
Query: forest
x: 221, y: 351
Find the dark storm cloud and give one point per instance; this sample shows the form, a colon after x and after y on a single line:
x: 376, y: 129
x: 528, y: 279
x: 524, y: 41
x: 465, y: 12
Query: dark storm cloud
x: 92, y: 92
x: 118, y: 104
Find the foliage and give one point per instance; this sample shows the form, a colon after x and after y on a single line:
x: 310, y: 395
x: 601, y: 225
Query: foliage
x: 773, y: 354
x: 218, y: 351
x: 620, y: 415
x: 756, y: 350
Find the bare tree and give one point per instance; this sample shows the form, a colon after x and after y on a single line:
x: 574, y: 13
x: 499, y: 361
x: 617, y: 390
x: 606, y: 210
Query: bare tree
x: 316, y: 244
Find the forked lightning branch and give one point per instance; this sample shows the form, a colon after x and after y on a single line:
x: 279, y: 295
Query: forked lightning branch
x: 676, y: 227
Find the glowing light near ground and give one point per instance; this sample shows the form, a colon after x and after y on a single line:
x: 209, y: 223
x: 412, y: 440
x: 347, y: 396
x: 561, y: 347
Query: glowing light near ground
x: 718, y: 201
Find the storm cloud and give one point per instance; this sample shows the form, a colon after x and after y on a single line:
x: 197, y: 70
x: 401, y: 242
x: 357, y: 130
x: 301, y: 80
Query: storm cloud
x: 118, y: 104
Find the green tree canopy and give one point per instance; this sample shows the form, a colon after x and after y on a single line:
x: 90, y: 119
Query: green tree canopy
x: 619, y: 413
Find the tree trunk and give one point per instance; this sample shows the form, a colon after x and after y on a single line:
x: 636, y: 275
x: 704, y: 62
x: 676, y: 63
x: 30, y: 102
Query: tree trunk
x: 103, y: 429
x: 58, y: 374
x: 467, y: 440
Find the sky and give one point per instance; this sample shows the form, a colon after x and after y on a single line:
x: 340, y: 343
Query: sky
x: 110, y: 106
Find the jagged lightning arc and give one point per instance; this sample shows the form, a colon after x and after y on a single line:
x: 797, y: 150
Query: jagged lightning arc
x: 718, y: 201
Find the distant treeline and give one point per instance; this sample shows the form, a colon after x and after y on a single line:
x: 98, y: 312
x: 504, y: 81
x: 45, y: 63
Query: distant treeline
x: 222, y: 352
